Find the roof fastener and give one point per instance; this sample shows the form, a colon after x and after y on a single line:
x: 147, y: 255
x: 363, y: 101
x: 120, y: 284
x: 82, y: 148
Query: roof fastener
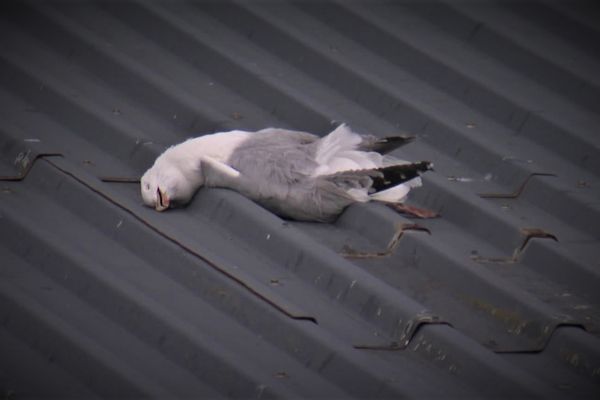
x: 401, y: 228
x: 26, y: 167
x: 408, y: 333
x: 518, y: 191
x: 528, y: 233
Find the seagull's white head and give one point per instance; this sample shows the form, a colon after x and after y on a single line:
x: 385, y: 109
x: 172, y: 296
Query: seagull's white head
x: 178, y: 172
x: 166, y: 186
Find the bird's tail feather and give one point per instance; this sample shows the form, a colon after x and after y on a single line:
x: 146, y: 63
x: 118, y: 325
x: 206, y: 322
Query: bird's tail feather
x: 384, y: 145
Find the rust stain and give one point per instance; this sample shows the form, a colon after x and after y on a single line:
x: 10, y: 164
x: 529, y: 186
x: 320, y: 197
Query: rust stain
x: 515, y: 321
x: 580, y: 362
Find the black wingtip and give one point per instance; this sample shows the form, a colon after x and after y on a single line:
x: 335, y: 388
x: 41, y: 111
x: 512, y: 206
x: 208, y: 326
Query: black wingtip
x: 396, y: 174
x: 388, y: 144
x: 424, y: 166
x: 399, y: 139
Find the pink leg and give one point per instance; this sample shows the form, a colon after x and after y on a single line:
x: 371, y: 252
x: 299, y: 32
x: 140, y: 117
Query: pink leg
x: 417, y: 212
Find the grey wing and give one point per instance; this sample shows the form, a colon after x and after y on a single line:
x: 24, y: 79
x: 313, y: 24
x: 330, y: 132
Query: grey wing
x: 286, y: 135
x: 275, y: 157
x: 218, y: 174
x: 276, y: 172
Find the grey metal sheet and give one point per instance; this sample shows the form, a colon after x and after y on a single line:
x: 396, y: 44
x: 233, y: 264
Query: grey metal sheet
x: 102, y: 297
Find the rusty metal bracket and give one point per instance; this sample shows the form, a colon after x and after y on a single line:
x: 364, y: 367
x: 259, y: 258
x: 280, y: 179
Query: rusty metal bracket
x: 543, y: 341
x: 208, y: 261
x: 399, y: 232
x: 536, y: 331
x: 25, y: 161
x: 408, y: 333
x: 528, y: 233
x: 518, y: 191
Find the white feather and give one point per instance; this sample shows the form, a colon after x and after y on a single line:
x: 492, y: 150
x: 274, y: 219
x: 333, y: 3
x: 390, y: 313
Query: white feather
x: 339, y: 140
x: 337, y: 152
x: 360, y: 195
x: 394, y: 194
x: 221, y: 167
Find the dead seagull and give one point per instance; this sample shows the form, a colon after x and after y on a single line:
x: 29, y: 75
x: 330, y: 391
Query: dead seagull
x: 294, y: 174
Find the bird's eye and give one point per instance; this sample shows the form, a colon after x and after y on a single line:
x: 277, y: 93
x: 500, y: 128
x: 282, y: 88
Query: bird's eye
x: 147, y: 186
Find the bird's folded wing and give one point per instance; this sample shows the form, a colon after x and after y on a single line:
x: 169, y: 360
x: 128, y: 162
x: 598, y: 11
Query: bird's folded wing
x: 217, y: 173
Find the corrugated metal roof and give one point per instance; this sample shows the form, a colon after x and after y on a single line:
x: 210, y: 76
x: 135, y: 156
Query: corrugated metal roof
x: 102, y: 297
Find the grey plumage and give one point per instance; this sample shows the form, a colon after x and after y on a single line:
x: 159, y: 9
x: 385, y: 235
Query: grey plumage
x: 279, y: 164
x: 277, y: 168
